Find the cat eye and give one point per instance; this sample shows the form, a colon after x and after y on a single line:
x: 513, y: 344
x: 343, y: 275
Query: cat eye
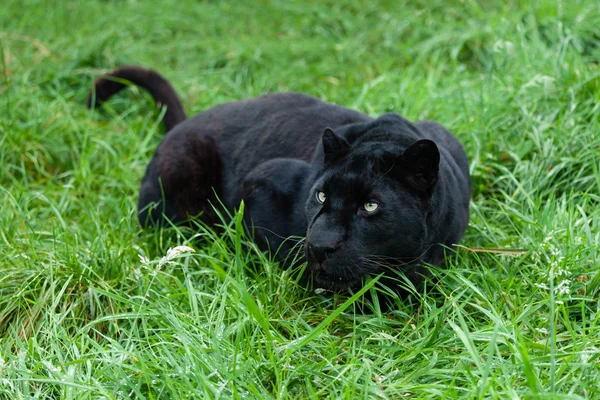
x: 321, y: 196
x: 370, y: 206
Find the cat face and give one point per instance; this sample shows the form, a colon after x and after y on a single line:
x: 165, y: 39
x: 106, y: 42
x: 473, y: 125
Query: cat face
x: 367, y: 210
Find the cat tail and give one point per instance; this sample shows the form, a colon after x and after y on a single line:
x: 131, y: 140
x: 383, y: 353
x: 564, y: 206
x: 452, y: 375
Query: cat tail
x: 161, y: 90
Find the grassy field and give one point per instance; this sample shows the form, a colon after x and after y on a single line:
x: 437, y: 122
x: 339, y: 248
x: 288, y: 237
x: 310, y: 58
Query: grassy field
x: 92, y: 307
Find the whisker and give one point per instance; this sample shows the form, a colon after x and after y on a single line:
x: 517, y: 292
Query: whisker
x: 292, y: 238
x: 381, y: 261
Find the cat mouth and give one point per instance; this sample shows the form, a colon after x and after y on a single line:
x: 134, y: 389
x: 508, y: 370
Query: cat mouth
x: 325, y: 280
x: 333, y: 273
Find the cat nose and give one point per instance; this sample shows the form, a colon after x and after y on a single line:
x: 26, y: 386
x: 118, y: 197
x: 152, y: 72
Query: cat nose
x: 321, y: 251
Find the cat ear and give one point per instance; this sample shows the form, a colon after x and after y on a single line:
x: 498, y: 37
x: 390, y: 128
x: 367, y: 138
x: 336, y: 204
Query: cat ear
x: 334, y: 146
x: 422, y: 162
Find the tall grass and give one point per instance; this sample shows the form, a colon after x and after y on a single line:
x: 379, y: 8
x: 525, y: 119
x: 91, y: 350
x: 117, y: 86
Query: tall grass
x: 93, y: 307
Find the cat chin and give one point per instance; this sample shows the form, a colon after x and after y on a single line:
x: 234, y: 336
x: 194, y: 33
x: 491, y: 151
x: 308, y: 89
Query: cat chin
x: 327, y: 283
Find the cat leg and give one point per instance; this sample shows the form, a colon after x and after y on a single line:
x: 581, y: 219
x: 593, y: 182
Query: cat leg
x: 181, y: 181
x: 274, y: 194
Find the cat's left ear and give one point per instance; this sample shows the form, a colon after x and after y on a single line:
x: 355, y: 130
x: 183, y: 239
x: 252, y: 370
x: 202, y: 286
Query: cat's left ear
x: 334, y: 146
x: 422, y: 162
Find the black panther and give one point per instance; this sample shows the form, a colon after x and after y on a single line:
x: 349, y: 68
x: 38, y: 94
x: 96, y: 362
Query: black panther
x: 371, y: 195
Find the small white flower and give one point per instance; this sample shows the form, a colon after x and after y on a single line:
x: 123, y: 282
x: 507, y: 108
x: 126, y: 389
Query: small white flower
x: 51, y: 367
x: 585, y: 356
x: 548, y: 238
x: 502, y: 45
x: 563, y: 287
x: 543, y: 331
x: 173, y: 253
x: 176, y: 251
x: 143, y: 259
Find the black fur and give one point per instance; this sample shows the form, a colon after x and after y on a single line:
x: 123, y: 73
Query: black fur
x: 161, y: 90
x: 394, y: 195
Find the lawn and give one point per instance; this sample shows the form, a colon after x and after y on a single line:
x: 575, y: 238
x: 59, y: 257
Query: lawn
x: 91, y: 306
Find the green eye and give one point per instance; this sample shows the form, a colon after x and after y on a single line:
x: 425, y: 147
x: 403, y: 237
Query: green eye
x: 370, y: 206
x: 321, y: 196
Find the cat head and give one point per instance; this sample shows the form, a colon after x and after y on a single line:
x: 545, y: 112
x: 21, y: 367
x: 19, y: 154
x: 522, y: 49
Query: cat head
x: 368, y: 208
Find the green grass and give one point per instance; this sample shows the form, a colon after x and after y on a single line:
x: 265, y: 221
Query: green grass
x: 89, y: 308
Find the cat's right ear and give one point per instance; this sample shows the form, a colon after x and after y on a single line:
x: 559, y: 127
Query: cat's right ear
x: 334, y: 146
x: 422, y: 164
